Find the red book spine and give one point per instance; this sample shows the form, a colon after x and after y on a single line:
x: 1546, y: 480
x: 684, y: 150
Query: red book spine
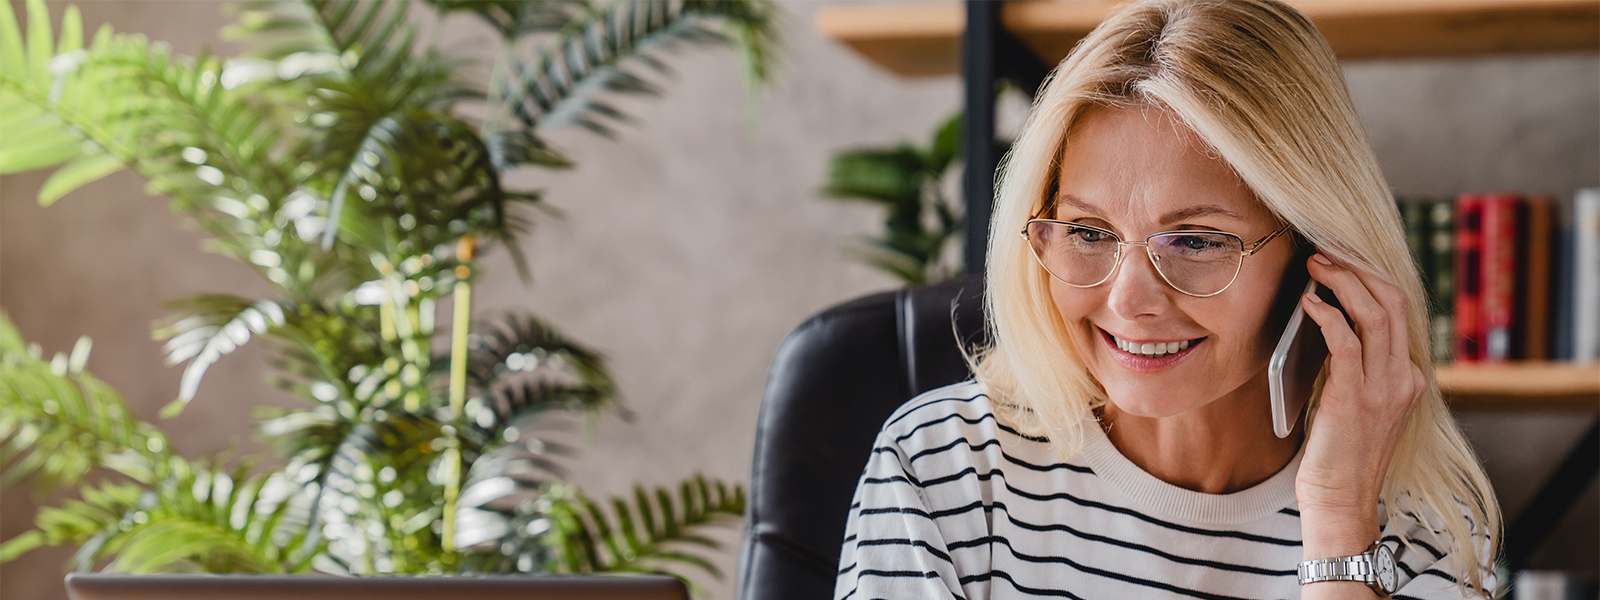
x: 1469, y: 276
x: 1498, y: 288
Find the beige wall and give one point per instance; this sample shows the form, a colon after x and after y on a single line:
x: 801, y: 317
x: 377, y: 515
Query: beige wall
x: 727, y: 247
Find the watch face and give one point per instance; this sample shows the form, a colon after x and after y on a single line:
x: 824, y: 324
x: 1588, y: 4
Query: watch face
x: 1383, y: 567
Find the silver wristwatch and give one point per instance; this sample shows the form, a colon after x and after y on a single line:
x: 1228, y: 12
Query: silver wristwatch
x: 1375, y: 567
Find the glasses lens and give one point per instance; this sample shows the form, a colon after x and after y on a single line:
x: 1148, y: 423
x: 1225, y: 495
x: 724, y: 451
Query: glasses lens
x: 1078, y: 255
x: 1197, y: 263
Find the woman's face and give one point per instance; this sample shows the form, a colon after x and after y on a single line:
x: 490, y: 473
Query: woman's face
x: 1136, y: 172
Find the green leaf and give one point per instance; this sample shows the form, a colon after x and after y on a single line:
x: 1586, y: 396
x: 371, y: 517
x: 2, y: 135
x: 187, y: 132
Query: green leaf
x: 561, y: 85
x: 158, y: 546
x: 39, y: 43
x: 946, y: 145
x: 891, y: 177
x: 13, y: 60
x: 655, y: 543
x: 56, y: 426
x: 78, y: 173
x: 24, y: 542
x: 71, y: 31
x: 35, y: 147
x: 216, y: 326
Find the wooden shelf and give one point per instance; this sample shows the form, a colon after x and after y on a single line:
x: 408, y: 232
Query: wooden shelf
x: 925, y: 38
x: 1521, y: 385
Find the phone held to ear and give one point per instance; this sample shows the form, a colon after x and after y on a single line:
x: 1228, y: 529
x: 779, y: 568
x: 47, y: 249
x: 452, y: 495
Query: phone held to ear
x: 1296, y: 361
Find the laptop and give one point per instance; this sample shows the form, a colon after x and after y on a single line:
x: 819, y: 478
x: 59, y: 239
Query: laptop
x: 107, y: 586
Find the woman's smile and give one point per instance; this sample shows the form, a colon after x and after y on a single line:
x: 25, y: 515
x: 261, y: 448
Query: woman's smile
x: 1148, y: 354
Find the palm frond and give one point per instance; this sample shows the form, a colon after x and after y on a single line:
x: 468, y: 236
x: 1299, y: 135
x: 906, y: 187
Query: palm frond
x: 195, y: 518
x: 443, y: 172
x: 755, y: 30
x: 335, y: 350
x: 519, y: 369
x: 44, y: 110
x: 369, y: 40
x: 342, y: 455
x: 513, y: 19
x: 208, y: 139
x: 646, y: 535
x: 60, y: 422
x: 215, y: 326
x: 125, y: 102
x: 368, y: 89
x: 520, y: 343
x: 563, y: 85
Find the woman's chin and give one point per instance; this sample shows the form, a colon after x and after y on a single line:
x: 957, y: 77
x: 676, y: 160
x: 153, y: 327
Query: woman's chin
x: 1151, y: 402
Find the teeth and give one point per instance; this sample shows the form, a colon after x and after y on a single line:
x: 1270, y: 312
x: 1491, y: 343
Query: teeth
x: 1151, y: 350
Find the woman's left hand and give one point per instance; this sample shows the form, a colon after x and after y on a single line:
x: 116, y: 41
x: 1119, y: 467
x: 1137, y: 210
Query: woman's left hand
x: 1372, y: 385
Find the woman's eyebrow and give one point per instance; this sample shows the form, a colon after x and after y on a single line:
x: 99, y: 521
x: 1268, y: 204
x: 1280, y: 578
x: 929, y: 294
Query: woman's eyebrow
x: 1176, y: 216
x: 1199, y: 211
x: 1079, y: 203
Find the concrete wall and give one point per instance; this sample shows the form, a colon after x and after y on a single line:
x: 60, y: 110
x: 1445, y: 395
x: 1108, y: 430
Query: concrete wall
x: 728, y: 247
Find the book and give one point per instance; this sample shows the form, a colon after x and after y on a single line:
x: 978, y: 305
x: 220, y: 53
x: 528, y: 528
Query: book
x: 1468, y: 276
x: 1441, y: 271
x: 1414, y: 216
x: 1561, y: 304
x: 1586, y: 275
x: 1538, y: 237
x: 1497, y: 283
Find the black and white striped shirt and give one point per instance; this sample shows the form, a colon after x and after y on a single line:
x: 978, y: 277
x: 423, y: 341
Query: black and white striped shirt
x: 955, y: 505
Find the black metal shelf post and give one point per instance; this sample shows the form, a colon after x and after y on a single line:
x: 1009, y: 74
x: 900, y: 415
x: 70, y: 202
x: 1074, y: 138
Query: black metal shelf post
x: 979, y: 75
x: 989, y: 55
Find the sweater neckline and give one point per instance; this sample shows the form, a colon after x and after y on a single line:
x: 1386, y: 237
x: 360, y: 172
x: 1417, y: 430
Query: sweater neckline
x: 1173, y: 502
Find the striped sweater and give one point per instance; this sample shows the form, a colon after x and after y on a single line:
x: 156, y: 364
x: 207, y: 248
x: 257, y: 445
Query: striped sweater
x: 953, y: 504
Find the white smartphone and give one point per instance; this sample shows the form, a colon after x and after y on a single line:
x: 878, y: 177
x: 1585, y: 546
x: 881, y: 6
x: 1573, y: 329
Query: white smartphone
x: 1296, y: 362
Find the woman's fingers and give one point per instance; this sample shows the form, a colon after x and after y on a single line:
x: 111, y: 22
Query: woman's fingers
x: 1344, y: 348
x: 1393, y: 301
x: 1372, y: 320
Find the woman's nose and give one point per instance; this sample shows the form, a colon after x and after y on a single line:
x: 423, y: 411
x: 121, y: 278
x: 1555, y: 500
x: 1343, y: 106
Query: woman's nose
x: 1136, y: 289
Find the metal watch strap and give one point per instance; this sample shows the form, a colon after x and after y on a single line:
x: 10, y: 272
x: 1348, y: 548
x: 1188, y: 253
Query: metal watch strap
x: 1343, y: 568
x: 1375, y: 568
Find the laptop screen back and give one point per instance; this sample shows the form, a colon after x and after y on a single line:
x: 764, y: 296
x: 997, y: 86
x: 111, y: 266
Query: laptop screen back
x: 103, y: 586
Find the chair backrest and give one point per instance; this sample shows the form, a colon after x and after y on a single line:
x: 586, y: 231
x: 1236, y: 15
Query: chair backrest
x: 834, y: 381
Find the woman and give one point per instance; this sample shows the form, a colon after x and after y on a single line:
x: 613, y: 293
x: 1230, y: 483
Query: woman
x: 1117, y: 441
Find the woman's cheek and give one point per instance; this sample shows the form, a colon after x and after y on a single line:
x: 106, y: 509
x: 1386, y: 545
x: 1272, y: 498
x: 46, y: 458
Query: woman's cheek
x: 1075, y: 305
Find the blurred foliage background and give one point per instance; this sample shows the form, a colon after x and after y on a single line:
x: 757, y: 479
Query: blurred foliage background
x: 335, y: 161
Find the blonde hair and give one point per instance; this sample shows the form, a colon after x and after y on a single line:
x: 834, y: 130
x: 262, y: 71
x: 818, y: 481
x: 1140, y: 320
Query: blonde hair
x: 1259, y: 85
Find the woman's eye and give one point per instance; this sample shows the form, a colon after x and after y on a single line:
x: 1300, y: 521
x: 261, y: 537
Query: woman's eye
x: 1195, y: 242
x: 1088, y: 235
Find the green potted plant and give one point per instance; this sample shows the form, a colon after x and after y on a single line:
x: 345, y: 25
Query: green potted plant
x: 908, y: 182
x: 335, y: 161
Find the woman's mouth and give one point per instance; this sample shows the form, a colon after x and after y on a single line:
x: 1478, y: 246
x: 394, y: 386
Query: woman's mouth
x: 1149, y: 355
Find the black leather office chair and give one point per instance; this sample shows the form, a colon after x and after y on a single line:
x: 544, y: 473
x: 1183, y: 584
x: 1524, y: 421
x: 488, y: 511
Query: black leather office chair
x: 833, y: 383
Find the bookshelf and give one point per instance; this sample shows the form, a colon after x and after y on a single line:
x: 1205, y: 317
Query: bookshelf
x: 1521, y: 385
x: 923, y: 39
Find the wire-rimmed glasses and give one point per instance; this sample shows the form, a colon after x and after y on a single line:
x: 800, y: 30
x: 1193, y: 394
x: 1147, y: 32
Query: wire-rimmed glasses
x: 1197, y: 263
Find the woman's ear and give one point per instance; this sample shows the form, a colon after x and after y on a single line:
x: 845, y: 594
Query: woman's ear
x: 1295, y: 278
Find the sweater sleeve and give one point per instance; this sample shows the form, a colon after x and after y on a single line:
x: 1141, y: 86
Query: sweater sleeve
x: 1427, y: 569
x: 893, y: 548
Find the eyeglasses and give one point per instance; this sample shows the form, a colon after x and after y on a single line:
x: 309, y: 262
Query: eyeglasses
x: 1197, y: 263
